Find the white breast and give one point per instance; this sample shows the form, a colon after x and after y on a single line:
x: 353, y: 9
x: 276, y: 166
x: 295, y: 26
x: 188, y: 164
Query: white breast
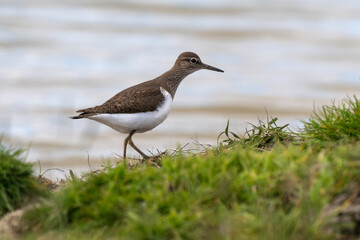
x: 141, y: 122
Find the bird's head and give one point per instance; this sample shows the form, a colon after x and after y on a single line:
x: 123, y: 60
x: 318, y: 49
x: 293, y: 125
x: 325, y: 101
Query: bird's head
x: 191, y: 62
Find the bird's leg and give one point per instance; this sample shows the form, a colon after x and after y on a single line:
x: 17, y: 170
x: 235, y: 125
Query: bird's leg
x: 137, y: 149
x: 126, y: 142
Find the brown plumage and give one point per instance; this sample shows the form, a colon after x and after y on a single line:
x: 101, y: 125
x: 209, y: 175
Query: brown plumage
x: 145, y: 97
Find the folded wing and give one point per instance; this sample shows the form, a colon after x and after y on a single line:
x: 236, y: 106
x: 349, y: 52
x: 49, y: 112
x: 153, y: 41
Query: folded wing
x: 144, y: 97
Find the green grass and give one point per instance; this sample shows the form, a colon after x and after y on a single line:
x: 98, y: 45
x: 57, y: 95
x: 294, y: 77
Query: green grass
x: 239, y: 194
x: 268, y: 183
x: 17, y: 184
x: 335, y: 123
x: 261, y: 137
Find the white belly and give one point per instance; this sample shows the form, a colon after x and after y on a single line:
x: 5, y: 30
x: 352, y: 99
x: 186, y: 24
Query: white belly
x: 141, y: 122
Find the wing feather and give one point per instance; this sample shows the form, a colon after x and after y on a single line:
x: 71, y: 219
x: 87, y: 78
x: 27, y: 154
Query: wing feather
x: 144, y: 97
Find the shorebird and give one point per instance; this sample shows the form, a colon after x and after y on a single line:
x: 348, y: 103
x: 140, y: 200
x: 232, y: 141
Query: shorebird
x: 142, y: 107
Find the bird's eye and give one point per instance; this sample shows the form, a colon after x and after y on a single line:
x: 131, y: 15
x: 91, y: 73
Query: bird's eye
x: 193, y: 60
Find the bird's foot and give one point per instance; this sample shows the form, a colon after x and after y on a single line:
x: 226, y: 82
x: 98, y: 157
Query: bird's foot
x: 154, y: 159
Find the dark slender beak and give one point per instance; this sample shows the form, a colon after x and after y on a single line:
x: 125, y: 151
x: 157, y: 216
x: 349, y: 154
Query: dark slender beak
x: 208, y: 67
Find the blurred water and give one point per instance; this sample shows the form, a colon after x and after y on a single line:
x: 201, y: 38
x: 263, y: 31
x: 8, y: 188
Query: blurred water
x: 59, y: 56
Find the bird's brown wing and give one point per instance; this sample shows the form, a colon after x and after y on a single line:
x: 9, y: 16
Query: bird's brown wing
x: 144, y: 97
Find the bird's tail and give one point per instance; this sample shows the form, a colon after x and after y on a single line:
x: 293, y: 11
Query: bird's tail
x: 85, y: 113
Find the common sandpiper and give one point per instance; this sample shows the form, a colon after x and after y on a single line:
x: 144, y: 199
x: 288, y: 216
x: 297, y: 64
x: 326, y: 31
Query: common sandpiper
x: 142, y: 107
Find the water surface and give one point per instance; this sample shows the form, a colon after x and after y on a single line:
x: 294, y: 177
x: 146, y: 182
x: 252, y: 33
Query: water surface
x: 60, y: 56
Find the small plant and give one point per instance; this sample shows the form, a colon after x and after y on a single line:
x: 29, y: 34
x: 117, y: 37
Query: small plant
x: 17, y: 183
x: 263, y: 136
x: 334, y: 123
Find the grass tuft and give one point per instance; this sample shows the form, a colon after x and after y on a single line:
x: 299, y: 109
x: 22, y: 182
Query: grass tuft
x: 335, y: 123
x: 261, y: 136
x: 17, y: 184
